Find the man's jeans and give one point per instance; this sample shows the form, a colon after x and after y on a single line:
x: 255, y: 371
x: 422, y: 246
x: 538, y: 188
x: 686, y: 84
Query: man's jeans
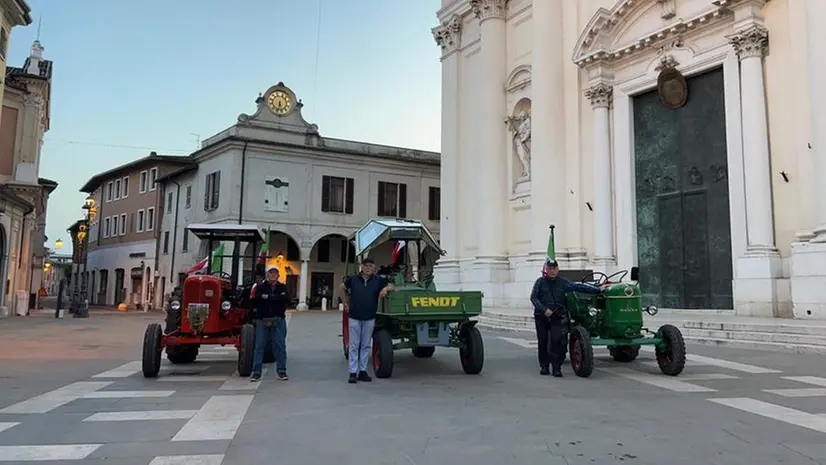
x: 278, y: 335
x: 361, y: 339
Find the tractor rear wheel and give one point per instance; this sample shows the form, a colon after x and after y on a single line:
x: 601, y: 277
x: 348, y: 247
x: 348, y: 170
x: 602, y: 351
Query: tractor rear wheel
x: 151, y: 360
x: 382, y: 354
x: 472, y: 355
x: 625, y: 353
x: 423, y: 352
x: 246, y: 350
x: 181, y: 354
x: 671, y: 359
x: 582, y: 352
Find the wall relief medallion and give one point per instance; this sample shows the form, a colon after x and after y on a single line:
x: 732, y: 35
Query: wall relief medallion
x: 672, y: 88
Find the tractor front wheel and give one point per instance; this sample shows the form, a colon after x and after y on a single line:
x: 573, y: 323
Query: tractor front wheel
x: 246, y: 350
x: 582, y: 352
x: 671, y: 358
x: 151, y: 360
x: 472, y: 354
x: 382, y: 354
x: 625, y: 353
x: 424, y: 352
x: 181, y: 354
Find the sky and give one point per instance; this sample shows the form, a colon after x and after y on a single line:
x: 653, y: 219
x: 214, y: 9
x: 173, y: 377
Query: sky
x: 131, y: 77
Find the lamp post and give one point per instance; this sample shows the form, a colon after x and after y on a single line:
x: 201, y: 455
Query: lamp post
x: 82, y: 309
x: 58, y: 244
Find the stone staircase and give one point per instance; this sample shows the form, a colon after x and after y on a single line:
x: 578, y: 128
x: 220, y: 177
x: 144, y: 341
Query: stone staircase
x: 709, y: 328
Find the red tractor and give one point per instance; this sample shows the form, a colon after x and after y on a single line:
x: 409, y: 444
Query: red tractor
x: 212, y: 308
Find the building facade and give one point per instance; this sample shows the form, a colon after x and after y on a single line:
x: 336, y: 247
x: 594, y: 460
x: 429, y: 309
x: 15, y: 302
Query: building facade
x: 122, y: 235
x: 26, y: 115
x: 680, y: 136
x: 275, y: 170
x: 12, y: 13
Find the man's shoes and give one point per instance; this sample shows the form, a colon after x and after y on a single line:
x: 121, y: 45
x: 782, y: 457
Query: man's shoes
x: 544, y: 371
x: 282, y: 375
x: 363, y: 376
x: 557, y: 373
x: 352, y: 379
x: 255, y: 377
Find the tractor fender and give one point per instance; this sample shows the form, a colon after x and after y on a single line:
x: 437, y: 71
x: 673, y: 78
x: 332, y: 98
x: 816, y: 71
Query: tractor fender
x: 467, y: 324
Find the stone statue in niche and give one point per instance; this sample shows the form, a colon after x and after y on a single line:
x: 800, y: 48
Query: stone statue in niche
x: 520, y: 126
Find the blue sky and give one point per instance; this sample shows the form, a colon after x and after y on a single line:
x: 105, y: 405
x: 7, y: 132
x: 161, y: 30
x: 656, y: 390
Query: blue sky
x: 135, y: 76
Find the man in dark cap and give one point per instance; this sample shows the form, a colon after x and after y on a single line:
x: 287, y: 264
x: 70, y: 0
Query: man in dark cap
x: 551, y: 316
x: 360, y: 294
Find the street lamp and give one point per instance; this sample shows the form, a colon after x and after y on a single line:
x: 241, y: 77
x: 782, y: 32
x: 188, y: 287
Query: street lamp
x: 58, y: 244
x: 82, y: 311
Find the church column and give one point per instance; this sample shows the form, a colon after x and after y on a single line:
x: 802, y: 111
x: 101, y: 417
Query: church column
x: 749, y: 45
x: 548, y: 124
x: 492, y: 187
x: 600, y: 96
x: 448, y: 36
x: 303, y: 281
x: 816, y: 31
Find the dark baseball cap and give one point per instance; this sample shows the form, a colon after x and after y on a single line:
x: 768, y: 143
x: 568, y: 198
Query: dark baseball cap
x: 367, y: 260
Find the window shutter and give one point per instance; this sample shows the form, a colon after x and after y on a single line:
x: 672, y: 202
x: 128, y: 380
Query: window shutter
x: 402, y: 200
x: 380, y: 207
x: 325, y: 193
x: 348, y: 195
x: 217, y: 188
x: 207, y: 192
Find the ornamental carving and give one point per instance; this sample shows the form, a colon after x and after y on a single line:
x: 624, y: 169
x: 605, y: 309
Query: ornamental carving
x: 751, y: 42
x: 600, y: 95
x: 520, y: 128
x: 489, y: 9
x: 668, y: 8
x: 448, y: 35
x: 672, y: 88
x: 33, y: 100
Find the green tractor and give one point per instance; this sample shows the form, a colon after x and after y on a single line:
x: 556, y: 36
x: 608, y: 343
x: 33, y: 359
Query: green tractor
x: 614, y: 318
x: 416, y: 316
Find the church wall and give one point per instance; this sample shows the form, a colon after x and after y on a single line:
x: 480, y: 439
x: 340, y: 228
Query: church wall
x: 468, y: 209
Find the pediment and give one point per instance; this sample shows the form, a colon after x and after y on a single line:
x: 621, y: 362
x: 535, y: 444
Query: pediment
x: 634, y: 25
x: 289, y: 119
x: 519, y: 78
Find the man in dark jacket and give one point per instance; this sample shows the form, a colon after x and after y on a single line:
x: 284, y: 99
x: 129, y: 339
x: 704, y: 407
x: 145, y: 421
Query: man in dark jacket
x: 270, y: 300
x: 551, y: 316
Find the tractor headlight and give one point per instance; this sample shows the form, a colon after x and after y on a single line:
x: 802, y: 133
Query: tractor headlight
x: 651, y: 310
x: 175, y: 305
x: 225, y: 305
x: 593, y: 311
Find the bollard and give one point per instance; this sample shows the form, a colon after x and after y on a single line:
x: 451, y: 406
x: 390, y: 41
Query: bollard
x: 340, y: 306
x: 324, y: 304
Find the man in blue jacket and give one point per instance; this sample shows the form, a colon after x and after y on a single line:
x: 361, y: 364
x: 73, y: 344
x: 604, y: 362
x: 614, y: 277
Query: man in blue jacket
x: 551, y: 316
x: 270, y: 300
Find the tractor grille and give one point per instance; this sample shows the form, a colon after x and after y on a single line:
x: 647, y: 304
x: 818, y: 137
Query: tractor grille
x: 197, y: 315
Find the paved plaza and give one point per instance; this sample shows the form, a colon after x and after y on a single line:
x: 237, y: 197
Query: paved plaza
x: 82, y: 400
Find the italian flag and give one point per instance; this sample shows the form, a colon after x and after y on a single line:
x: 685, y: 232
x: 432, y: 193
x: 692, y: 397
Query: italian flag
x: 397, y: 250
x: 265, y: 249
x: 551, y: 252
x: 217, y: 261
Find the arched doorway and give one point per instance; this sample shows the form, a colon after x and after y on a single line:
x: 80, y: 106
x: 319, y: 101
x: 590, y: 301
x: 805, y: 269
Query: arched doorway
x: 283, y: 253
x: 329, y: 258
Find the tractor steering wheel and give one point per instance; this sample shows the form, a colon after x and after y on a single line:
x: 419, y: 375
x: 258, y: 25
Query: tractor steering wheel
x: 622, y: 274
x: 221, y: 274
x: 594, y: 274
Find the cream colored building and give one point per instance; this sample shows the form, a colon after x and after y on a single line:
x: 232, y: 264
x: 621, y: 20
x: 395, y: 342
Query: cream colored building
x: 687, y: 137
x: 276, y: 170
x: 12, y: 13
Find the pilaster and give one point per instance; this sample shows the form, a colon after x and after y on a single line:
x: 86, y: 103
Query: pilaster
x: 600, y: 96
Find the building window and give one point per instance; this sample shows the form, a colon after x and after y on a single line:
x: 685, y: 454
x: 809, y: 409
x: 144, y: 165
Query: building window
x: 153, y: 176
x: 123, y: 224
x: 434, y: 199
x: 323, y: 251
x: 109, y: 193
x: 188, y: 196
x: 117, y: 189
x: 139, y: 220
x: 166, y: 242
x: 212, y: 189
x: 106, y: 224
x: 124, y: 187
x: 337, y: 194
x: 4, y: 43
x: 392, y: 199
x: 150, y: 219
x: 143, y: 180
x: 185, y: 241
x: 169, y: 203
x: 347, y: 257
x: 115, y: 228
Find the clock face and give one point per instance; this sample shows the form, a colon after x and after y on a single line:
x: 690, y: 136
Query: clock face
x: 279, y: 102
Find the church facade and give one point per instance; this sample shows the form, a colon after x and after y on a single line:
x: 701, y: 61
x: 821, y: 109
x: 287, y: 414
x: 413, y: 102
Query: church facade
x: 686, y: 137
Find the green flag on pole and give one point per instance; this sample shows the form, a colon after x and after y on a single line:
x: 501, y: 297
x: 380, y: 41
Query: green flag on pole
x: 218, y: 259
x: 551, y: 251
x: 265, y: 248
